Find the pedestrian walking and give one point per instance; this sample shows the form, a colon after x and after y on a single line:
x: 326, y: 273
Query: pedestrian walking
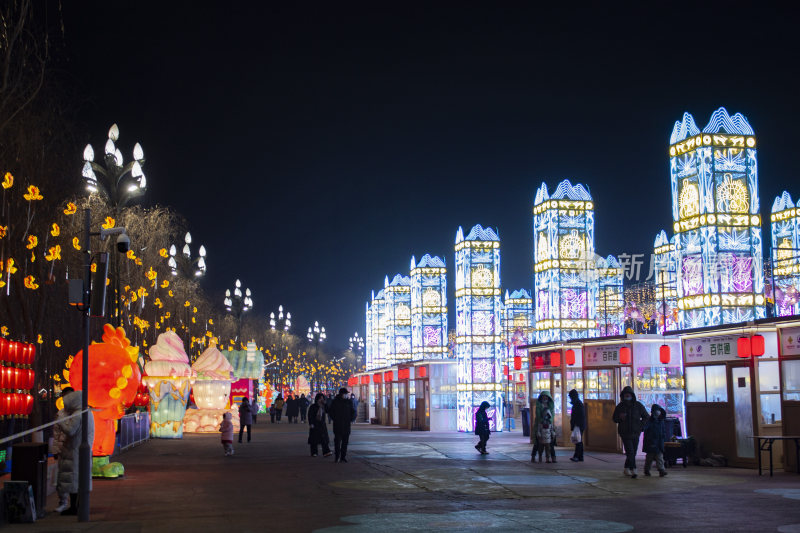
x: 328, y: 405
x: 226, y: 429
x: 254, y: 409
x: 355, y: 406
x: 577, y: 424
x: 302, y: 404
x: 279, y: 403
x: 317, y: 429
x: 630, y: 416
x: 655, y: 434
x: 544, y: 403
x: 272, y: 413
x: 545, y: 436
x: 482, y: 428
x: 68, y: 456
x: 343, y: 415
x: 292, y: 409
x: 245, y: 419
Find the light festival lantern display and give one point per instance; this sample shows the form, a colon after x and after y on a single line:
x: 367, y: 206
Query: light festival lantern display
x: 565, y: 283
x: 665, y: 267
x: 610, y: 311
x: 247, y: 363
x: 479, y: 338
x: 114, y: 379
x: 398, y: 319
x: 17, y: 378
x: 169, y: 378
x: 785, y: 255
x: 428, y: 308
x: 368, y: 349
x: 376, y: 350
x: 517, y: 323
x: 211, y: 391
x: 716, y: 217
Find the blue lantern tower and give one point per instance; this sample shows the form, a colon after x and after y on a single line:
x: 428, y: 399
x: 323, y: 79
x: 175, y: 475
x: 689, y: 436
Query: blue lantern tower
x: 376, y: 326
x: 398, y: 319
x: 785, y: 256
x: 428, y: 308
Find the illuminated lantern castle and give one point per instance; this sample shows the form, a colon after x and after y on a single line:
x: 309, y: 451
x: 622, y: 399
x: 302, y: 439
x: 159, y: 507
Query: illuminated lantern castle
x: 376, y: 331
x: 785, y: 256
x: 398, y: 319
x: 368, y: 353
x: 610, y: 311
x: 479, y: 348
x: 716, y: 217
x: 665, y: 267
x: 565, y: 284
x: 428, y: 308
x: 517, y: 319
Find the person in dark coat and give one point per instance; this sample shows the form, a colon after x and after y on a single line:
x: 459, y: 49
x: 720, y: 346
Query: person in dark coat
x: 577, y: 420
x: 343, y: 414
x: 292, y: 409
x: 630, y: 416
x: 328, y: 405
x: 655, y: 434
x: 279, y: 403
x: 69, y: 455
x: 317, y: 429
x: 302, y: 405
x: 482, y: 428
x: 355, y: 406
x: 245, y: 418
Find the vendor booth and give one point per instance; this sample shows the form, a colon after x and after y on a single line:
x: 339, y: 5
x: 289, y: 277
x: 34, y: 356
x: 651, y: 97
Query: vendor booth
x: 789, y: 412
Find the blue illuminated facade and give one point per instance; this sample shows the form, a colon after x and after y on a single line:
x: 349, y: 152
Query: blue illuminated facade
x: 785, y: 291
x: 428, y: 308
x: 376, y: 331
x: 397, y: 311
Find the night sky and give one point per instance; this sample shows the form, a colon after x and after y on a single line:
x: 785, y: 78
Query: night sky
x: 314, y: 149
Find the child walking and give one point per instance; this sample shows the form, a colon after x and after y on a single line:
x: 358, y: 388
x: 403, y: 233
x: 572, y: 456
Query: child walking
x: 226, y: 428
x: 546, y: 434
x: 655, y: 433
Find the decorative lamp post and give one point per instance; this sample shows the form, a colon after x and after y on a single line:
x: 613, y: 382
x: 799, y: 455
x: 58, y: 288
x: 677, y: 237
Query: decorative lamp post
x: 357, y: 346
x: 184, y: 263
x: 236, y: 305
x: 284, y: 323
x: 316, y: 335
x: 119, y: 183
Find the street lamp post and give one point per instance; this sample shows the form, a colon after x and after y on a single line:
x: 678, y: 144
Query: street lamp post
x: 184, y: 264
x: 284, y: 322
x: 119, y: 183
x: 357, y: 347
x: 236, y: 305
x: 316, y: 335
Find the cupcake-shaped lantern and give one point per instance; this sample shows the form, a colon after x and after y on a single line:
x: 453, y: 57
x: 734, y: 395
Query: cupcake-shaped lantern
x: 168, y: 377
x: 213, y: 385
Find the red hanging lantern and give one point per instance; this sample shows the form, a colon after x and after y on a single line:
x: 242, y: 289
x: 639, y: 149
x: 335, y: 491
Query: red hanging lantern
x: 13, y: 347
x: 743, y: 347
x: 388, y: 376
x: 555, y: 358
x: 404, y: 373
x: 2, y: 404
x: 625, y: 355
x: 30, y: 353
x: 538, y: 362
x: 16, y: 404
x: 28, y: 404
x: 422, y: 371
x: 664, y: 354
x: 522, y: 377
x: 377, y: 378
x: 517, y: 362
x: 757, y: 345
x: 3, y: 378
x: 505, y: 370
x: 569, y: 356
x: 3, y: 349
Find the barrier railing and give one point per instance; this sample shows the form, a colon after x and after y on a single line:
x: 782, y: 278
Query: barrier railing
x: 134, y: 429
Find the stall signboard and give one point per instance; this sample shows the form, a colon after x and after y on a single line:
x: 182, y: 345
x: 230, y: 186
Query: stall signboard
x: 602, y: 355
x: 790, y: 342
x: 711, y: 349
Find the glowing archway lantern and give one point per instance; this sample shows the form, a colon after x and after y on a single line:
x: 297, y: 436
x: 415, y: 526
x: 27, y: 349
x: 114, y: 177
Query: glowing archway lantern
x: 743, y: 347
x: 625, y: 355
x: 757, y: 345
x: 569, y: 356
x: 114, y: 378
x: 555, y: 359
x: 517, y: 362
x: 664, y: 354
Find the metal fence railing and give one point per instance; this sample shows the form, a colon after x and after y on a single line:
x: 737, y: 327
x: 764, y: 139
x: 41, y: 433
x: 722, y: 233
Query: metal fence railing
x: 133, y: 429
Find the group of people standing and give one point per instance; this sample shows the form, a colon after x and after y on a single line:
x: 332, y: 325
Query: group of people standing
x: 295, y: 406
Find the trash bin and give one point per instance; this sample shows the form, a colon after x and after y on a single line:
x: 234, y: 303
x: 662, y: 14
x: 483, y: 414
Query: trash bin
x: 29, y: 463
x: 526, y: 421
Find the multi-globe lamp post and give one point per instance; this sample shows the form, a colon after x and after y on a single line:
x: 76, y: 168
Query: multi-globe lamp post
x: 357, y: 347
x: 119, y: 183
x: 184, y: 263
x: 316, y: 335
x: 283, y: 323
x: 237, y: 304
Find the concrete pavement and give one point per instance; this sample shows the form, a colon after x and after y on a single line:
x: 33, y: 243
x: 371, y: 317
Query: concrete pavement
x: 398, y: 480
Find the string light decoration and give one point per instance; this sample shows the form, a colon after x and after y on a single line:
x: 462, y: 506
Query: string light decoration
x: 479, y: 348
x: 428, y: 308
x: 717, y: 222
x: 785, y: 224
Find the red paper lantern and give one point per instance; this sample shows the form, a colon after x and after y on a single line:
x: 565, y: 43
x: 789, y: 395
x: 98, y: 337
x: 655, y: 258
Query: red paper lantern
x: 664, y: 354
x: 3, y: 378
x: 555, y: 358
x: 3, y: 349
x: 522, y: 377
x: 757, y: 345
x: 625, y: 355
x: 505, y: 370
x: 569, y: 356
x: 538, y: 362
x: 388, y: 376
x: 743, y: 346
x: 404, y: 373
x: 30, y: 352
x: 517, y: 362
x: 13, y: 348
x: 17, y: 404
x: 422, y: 371
x: 377, y: 378
x: 28, y: 404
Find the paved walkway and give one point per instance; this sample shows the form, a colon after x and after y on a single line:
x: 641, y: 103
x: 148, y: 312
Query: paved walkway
x: 398, y: 480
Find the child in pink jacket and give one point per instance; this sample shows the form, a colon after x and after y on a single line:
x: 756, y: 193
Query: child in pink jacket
x: 226, y: 428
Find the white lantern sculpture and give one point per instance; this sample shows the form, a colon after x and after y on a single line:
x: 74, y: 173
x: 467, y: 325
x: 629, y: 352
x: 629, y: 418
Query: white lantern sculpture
x: 212, y: 389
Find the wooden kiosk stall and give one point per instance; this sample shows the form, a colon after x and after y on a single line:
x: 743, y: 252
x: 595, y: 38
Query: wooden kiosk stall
x: 733, y: 390
x: 789, y: 336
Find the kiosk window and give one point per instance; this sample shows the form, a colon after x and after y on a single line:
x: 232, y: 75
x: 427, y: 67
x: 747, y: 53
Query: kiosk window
x: 791, y: 381
x: 706, y: 384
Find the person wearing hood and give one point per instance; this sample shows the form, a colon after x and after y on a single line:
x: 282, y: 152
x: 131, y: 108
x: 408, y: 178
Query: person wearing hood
x: 630, y: 416
x: 342, y: 414
x: 655, y: 434
x: 302, y: 405
x: 482, y: 427
x: 544, y: 403
x: 68, y: 455
x: 577, y: 420
x: 317, y: 429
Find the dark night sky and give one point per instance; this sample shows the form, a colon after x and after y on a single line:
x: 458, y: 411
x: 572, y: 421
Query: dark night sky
x: 315, y: 149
